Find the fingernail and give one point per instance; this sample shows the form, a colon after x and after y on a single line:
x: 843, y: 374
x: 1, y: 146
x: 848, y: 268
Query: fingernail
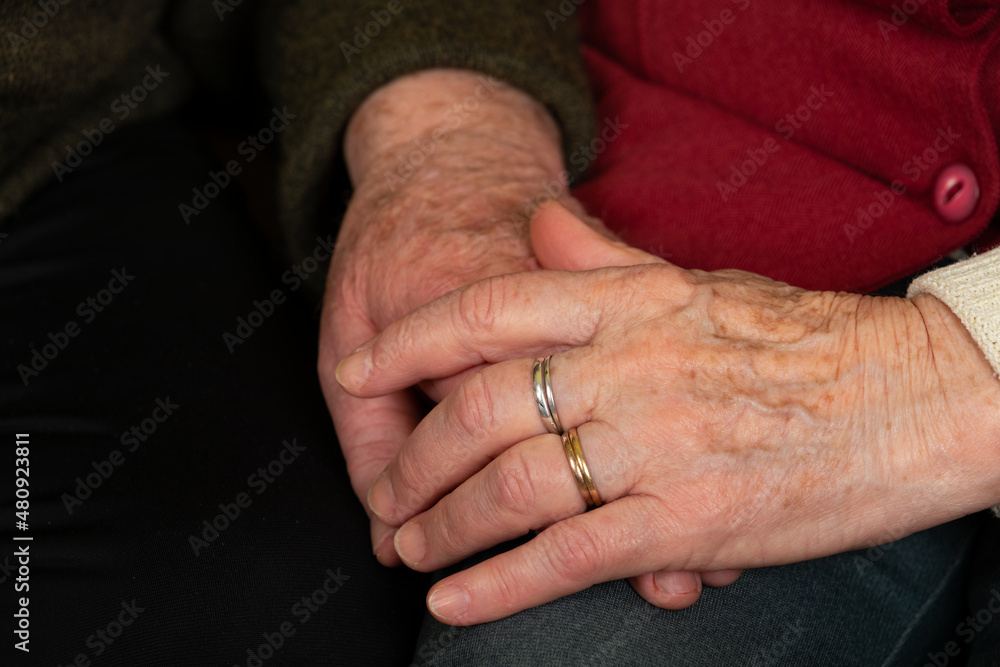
x: 353, y: 371
x: 676, y: 583
x: 381, y: 499
x: 410, y: 544
x: 448, y: 602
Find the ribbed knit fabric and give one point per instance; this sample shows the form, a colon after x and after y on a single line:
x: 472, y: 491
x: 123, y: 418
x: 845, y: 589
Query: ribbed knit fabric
x: 971, y: 288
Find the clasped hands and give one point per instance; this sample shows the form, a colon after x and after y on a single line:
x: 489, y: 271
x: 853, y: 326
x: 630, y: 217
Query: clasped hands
x: 729, y: 421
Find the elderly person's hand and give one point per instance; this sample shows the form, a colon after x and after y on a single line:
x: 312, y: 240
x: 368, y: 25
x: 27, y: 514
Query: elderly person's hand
x: 727, y: 420
x: 442, y: 163
x: 447, y: 166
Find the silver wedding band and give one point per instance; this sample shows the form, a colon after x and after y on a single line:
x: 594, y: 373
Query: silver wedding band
x: 541, y: 381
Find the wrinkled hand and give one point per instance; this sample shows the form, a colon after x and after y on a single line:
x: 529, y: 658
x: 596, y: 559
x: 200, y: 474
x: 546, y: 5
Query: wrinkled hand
x: 444, y: 164
x: 447, y: 166
x: 728, y: 421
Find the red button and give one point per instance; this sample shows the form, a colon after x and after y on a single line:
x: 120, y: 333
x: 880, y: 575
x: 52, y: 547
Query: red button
x: 956, y: 194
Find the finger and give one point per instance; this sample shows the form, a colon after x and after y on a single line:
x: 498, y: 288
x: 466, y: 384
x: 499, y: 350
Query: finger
x: 667, y: 589
x: 463, y: 433
x: 383, y: 536
x: 502, y: 317
x: 563, y: 241
x: 675, y: 590
x: 528, y: 487
x: 370, y: 432
x: 437, y: 390
x: 474, y: 424
x: 498, y: 318
x: 721, y: 578
x: 570, y: 556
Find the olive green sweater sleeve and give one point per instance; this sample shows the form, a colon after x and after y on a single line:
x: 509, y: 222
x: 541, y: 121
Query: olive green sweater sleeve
x: 65, y: 72
x: 322, y: 59
x: 70, y: 74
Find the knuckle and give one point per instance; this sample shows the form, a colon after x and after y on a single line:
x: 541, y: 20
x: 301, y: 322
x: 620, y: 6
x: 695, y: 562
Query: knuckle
x: 452, y: 530
x: 575, y: 554
x: 393, y: 343
x: 385, y: 347
x: 481, y: 305
x: 505, y: 589
x: 411, y: 484
x: 514, y: 488
x: 474, y: 410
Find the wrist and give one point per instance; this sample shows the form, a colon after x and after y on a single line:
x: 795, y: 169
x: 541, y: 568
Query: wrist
x: 403, y: 124
x: 971, y: 395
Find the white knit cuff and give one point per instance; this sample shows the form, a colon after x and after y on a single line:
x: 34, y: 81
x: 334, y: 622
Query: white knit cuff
x: 971, y: 288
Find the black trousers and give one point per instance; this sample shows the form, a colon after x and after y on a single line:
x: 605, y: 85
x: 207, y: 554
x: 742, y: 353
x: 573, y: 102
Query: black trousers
x: 188, y: 503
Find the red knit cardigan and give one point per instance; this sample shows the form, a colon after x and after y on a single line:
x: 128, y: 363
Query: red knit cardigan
x: 835, y: 144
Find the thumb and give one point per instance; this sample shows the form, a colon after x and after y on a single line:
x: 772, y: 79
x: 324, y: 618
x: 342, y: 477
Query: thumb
x: 562, y: 241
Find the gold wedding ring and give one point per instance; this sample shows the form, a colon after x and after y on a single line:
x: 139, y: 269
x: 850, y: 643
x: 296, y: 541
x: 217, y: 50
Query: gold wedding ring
x: 541, y: 382
x: 574, y: 454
